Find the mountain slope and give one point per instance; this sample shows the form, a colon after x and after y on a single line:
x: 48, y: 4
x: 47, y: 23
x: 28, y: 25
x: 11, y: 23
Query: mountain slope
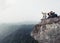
x: 22, y: 35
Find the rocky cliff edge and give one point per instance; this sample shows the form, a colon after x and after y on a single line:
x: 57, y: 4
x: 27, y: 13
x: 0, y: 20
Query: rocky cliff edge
x: 47, y: 31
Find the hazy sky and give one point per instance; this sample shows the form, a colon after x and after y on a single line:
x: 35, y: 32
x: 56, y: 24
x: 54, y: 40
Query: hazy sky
x: 26, y: 10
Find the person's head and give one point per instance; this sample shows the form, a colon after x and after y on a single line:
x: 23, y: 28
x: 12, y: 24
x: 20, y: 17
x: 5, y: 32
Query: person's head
x: 48, y: 13
x: 51, y: 12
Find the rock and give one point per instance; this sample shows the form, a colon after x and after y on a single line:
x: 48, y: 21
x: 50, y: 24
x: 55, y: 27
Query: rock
x: 47, y: 31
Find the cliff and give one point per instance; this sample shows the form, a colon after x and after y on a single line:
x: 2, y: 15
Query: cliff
x: 47, y: 31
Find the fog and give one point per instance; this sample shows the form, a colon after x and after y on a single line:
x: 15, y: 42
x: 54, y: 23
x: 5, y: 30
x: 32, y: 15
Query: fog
x: 17, y: 11
x: 7, y: 11
x: 12, y: 11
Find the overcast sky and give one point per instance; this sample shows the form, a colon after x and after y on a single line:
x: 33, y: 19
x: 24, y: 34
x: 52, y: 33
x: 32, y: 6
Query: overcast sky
x: 26, y: 10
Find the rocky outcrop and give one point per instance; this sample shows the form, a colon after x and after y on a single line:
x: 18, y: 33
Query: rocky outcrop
x: 47, y: 31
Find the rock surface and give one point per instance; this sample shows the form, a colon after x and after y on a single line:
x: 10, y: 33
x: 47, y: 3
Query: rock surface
x: 47, y: 31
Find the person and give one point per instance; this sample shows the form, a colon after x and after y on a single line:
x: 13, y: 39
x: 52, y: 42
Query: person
x: 52, y: 14
x: 49, y: 15
x: 44, y: 15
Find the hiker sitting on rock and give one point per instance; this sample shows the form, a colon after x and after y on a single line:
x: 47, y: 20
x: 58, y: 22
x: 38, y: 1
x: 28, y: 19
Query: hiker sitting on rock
x: 52, y: 14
